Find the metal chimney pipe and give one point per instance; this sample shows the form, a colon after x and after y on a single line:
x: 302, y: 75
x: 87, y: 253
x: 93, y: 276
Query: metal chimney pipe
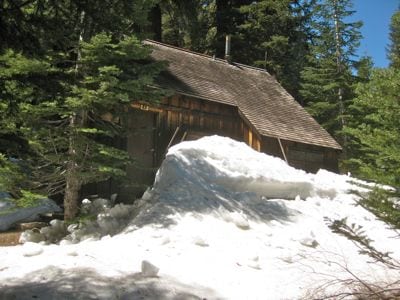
x: 228, y: 47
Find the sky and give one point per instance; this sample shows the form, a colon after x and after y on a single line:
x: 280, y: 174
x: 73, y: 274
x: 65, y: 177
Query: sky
x: 375, y: 14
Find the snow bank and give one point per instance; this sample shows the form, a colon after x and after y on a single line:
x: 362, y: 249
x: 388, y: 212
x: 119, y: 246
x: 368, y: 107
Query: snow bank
x: 10, y: 216
x: 220, y: 176
x: 221, y: 222
x: 108, y: 220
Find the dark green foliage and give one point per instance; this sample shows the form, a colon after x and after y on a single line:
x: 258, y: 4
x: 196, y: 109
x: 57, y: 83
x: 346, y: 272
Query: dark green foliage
x: 10, y: 175
x: 394, y: 47
x: 20, y: 81
x: 374, y: 132
x: 328, y: 83
x: 38, y: 26
x: 385, y: 204
x: 65, y: 68
x: 375, y: 128
x: 109, y: 76
x: 364, y: 67
x: 28, y: 199
x: 188, y: 24
x: 274, y: 35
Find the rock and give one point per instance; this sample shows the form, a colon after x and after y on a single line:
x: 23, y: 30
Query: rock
x: 200, y: 242
x: 31, y: 225
x: 309, y: 242
x: 148, y: 269
x: 240, y: 220
x: 31, y: 236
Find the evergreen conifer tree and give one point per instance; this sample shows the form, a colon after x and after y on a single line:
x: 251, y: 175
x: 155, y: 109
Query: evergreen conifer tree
x: 274, y: 35
x: 375, y: 128
x: 69, y: 64
x: 187, y: 24
x: 394, y: 47
x: 328, y: 83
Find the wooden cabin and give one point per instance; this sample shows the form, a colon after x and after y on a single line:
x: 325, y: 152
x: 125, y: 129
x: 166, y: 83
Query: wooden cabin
x: 214, y: 96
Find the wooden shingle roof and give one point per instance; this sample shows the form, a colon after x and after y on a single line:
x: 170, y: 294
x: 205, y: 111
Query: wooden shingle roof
x: 259, y: 97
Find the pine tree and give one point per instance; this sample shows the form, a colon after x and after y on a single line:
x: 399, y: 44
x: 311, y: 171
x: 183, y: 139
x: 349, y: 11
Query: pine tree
x: 375, y: 128
x: 72, y: 138
x: 394, y: 47
x: 56, y: 88
x: 274, y: 36
x: 20, y: 81
x: 186, y: 24
x: 328, y: 83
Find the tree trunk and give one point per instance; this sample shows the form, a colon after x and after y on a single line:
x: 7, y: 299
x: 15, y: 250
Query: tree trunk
x: 339, y: 69
x: 73, y: 181
x: 222, y: 25
x: 73, y: 186
x: 155, y: 23
x: 72, y: 178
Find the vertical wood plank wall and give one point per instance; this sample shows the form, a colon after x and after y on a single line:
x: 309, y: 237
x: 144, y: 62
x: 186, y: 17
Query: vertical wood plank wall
x: 151, y: 130
x: 310, y: 158
x: 198, y: 118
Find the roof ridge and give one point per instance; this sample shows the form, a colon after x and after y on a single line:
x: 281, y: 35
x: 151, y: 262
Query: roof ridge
x: 207, y: 56
x: 184, y: 50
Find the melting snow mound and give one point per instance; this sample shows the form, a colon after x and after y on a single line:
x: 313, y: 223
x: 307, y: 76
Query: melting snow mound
x: 222, y: 221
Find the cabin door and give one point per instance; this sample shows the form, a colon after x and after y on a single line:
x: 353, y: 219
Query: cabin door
x: 141, y: 147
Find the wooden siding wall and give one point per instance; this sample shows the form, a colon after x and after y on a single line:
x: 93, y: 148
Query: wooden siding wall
x: 312, y: 158
x: 152, y: 127
x: 303, y: 156
x: 199, y: 118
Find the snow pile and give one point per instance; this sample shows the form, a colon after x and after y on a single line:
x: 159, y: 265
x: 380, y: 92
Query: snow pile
x: 202, y: 178
x: 11, y: 216
x: 221, y: 222
x: 108, y: 220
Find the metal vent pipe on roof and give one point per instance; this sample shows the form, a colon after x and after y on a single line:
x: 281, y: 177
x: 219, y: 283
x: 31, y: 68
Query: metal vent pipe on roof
x: 228, y: 47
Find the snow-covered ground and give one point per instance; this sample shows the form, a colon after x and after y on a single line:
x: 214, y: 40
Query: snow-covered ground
x: 221, y: 222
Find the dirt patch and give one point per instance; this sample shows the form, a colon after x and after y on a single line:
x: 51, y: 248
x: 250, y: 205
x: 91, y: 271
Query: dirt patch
x: 9, y: 238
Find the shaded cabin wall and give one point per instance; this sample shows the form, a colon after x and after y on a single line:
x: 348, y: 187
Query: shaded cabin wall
x: 189, y: 118
x: 312, y: 158
x: 152, y: 128
x: 193, y: 118
x: 142, y: 130
x: 302, y: 156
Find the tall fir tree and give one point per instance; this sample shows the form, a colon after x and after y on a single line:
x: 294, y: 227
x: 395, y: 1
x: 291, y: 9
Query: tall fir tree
x: 56, y: 90
x: 375, y: 128
x: 186, y: 24
x: 274, y: 35
x: 394, y: 47
x: 328, y: 82
x: 72, y: 137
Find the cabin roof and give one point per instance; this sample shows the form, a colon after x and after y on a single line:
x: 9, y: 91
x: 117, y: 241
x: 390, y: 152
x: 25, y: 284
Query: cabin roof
x: 259, y: 97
